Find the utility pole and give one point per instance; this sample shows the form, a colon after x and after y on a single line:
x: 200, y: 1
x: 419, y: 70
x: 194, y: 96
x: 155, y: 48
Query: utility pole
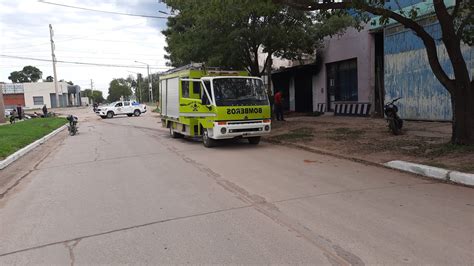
x: 138, y: 88
x: 92, y: 91
x: 51, y: 34
x: 150, y: 88
x: 150, y: 82
x: 2, y: 106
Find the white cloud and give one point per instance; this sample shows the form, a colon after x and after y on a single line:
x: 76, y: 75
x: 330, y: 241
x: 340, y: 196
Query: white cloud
x: 82, y: 36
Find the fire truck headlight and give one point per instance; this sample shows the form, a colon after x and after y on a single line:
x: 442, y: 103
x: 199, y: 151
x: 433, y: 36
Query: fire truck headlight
x: 223, y: 130
x: 267, y: 127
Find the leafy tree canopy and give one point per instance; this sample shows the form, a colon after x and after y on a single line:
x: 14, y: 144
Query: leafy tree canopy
x: 231, y: 34
x: 95, y: 95
x: 27, y: 74
x: 118, y: 88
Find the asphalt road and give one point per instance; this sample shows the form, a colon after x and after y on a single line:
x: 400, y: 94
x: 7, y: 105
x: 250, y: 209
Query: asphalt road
x: 122, y: 191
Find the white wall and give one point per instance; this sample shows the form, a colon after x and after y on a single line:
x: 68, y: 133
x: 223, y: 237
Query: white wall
x: 352, y: 44
x: 43, y: 89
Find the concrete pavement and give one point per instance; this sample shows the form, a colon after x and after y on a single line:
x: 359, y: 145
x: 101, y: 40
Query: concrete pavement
x: 122, y: 191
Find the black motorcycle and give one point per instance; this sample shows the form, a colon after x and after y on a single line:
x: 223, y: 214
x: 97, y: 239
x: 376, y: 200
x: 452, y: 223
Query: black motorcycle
x: 72, y: 127
x: 395, y: 123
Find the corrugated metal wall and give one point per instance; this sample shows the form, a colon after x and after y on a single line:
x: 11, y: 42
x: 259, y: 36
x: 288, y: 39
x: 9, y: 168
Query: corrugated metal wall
x: 408, y: 75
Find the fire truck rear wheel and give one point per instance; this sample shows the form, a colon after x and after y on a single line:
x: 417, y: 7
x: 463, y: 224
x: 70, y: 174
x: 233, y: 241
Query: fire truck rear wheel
x: 175, y: 134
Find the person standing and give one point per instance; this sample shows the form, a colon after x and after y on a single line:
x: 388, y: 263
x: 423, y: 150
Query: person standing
x: 19, y: 111
x: 278, y: 101
x: 45, y: 111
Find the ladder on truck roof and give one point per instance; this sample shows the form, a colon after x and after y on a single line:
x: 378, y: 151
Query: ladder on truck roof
x: 192, y: 66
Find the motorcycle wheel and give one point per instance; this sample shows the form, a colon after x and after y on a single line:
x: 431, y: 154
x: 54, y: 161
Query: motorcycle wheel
x: 72, y: 131
x: 393, y: 127
x: 400, y: 123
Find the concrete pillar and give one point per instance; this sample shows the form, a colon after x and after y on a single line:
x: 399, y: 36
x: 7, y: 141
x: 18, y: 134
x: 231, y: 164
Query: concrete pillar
x: 2, y: 107
x: 292, y: 94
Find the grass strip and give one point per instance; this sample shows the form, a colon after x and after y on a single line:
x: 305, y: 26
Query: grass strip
x: 16, y: 136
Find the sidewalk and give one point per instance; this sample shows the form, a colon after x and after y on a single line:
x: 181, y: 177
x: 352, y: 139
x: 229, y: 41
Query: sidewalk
x: 368, y: 139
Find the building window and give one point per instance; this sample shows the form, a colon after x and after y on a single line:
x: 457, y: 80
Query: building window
x: 38, y: 100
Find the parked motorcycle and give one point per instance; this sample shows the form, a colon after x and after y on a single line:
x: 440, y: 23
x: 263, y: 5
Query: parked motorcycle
x: 395, y: 123
x: 72, y: 127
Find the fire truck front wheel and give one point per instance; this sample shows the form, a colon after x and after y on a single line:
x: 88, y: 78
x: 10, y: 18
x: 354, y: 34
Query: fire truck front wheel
x: 206, y: 140
x: 254, y: 140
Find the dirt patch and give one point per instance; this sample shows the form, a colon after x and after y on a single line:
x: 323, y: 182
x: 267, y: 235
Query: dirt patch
x: 369, y: 139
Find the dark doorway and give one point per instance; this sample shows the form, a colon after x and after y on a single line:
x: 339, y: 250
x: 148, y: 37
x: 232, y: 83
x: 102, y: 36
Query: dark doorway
x: 303, y: 92
x: 281, y: 82
x: 342, y: 82
x: 379, y: 72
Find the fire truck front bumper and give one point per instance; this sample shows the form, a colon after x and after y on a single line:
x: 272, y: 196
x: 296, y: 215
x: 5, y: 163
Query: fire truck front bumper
x: 236, y: 129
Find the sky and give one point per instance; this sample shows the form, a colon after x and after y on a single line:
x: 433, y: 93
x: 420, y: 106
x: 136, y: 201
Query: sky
x: 83, y: 36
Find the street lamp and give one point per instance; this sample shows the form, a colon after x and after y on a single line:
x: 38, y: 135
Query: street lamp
x: 149, y: 80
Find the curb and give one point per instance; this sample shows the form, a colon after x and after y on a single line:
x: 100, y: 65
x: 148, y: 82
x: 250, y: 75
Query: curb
x: 18, y: 154
x: 433, y: 172
x: 419, y: 169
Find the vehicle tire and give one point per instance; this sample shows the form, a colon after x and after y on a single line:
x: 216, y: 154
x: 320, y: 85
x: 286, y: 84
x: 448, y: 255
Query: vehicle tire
x: 254, y: 140
x: 394, y: 127
x: 137, y: 112
x: 400, y: 123
x: 110, y: 114
x: 103, y: 116
x: 72, y: 130
x: 206, y: 140
x: 174, y: 134
x: 129, y: 115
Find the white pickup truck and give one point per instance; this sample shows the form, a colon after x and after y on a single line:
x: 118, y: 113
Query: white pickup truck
x: 129, y: 108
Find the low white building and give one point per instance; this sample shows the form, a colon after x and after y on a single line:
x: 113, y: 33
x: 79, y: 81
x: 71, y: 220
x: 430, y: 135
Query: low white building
x: 35, y: 95
x: 40, y: 93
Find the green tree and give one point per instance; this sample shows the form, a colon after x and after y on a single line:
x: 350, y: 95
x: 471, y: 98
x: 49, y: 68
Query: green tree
x: 27, y: 74
x: 457, y: 27
x: 233, y: 34
x: 118, y: 88
x: 142, y: 91
x: 49, y: 79
x: 96, y: 95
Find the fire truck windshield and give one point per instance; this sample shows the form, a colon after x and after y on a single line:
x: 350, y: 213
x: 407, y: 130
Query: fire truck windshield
x: 239, y: 91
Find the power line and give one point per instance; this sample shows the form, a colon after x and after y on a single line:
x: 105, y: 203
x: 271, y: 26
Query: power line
x: 78, y: 63
x: 100, y: 58
x: 71, y: 51
x: 75, y: 37
x: 102, y: 11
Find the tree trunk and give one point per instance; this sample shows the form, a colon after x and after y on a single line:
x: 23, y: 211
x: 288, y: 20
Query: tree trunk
x: 463, y: 114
